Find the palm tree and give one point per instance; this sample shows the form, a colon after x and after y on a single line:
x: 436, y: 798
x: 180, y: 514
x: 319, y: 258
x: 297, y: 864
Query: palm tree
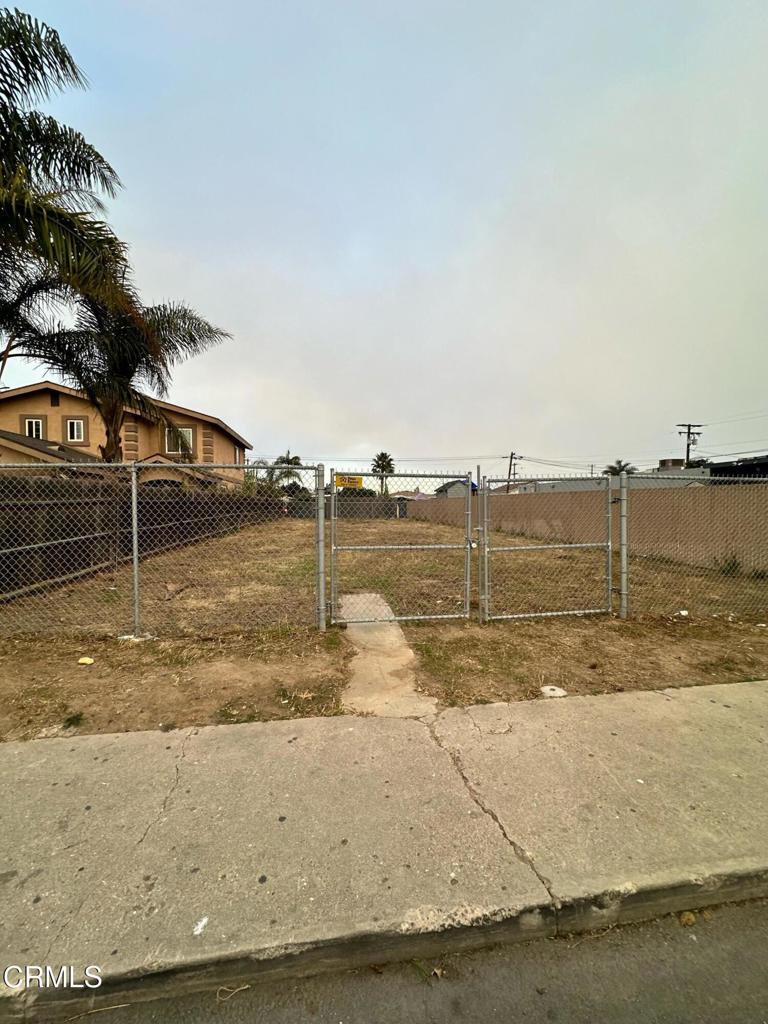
x: 276, y: 474
x: 50, y: 176
x: 383, y: 465
x: 108, y: 356
x: 618, y: 467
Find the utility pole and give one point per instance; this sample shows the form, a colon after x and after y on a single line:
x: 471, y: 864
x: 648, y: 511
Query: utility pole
x: 691, y: 435
x: 512, y: 470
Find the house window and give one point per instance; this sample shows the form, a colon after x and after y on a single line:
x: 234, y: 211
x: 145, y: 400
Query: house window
x: 175, y: 445
x: 33, y: 428
x: 75, y: 430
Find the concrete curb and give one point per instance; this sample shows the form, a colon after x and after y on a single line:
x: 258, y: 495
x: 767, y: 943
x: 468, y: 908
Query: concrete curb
x: 360, y: 949
x: 329, y: 844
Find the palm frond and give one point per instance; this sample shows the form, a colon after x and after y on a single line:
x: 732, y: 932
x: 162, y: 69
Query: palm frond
x: 184, y: 332
x: 34, y: 62
x: 83, y: 251
x: 54, y: 155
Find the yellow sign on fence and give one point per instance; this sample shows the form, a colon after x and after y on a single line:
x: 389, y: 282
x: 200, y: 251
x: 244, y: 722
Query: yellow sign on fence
x: 354, y: 482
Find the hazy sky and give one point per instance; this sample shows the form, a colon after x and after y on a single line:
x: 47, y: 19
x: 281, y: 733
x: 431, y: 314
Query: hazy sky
x: 446, y: 228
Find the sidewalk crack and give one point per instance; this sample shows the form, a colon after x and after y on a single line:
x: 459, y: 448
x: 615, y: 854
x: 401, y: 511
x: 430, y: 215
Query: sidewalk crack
x: 63, y: 927
x: 520, y: 853
x: 172, y: 788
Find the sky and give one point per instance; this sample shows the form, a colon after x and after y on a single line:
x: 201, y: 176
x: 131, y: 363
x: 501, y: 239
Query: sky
x: 446, y: 230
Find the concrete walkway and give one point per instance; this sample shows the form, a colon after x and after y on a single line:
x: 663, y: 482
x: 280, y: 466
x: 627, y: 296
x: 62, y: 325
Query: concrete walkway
x: 187, y: 860
x: 383, y: 680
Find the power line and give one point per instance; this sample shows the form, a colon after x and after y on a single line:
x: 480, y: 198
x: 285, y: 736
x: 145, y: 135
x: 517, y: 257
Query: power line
x: 725, y: 455
x: 744, y: 440
x: 757, y: 415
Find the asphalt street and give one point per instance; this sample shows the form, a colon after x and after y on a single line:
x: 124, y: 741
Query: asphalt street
x: 661, y: 972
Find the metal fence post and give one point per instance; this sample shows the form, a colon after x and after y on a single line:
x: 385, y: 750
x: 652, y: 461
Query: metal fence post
x: 320, y: 518
x: 483, y: 517
x: 135, y: 549
x: 468, y: 554
x: 623, y: 546
x: 609, y: 546
x: 333, y: 615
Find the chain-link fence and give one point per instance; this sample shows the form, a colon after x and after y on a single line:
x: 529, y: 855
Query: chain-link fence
x: 544, y: 558
x: 672, y: 544
x: 164, y: 549
x: 386, y: 562
x: 698, y: 547
x: 170, y: 549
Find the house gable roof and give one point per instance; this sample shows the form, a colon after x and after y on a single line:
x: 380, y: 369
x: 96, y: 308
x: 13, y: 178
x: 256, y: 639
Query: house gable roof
x: 54, y: 449
x: 49, y: 385
x: 444, y: 488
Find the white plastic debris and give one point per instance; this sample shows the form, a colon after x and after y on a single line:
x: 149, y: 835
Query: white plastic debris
x: 683, y: 613
x: 553, y: 691
x: 198, y: 929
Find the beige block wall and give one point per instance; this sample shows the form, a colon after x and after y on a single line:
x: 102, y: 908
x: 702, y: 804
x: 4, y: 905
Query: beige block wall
x: 700, y: 526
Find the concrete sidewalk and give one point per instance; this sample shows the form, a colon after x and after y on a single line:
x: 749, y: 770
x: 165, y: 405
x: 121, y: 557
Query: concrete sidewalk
x: 185, y: 860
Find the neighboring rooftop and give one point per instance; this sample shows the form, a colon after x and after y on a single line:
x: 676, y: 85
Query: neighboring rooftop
x: 49, y: 385
x: 55, y: 449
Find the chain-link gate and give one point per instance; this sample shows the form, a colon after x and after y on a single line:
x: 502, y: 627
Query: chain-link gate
x: 400, y: 548
x: 531, y: 563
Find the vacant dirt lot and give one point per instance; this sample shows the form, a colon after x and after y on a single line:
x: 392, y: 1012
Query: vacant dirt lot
x: 232, y: 621
x: 166, y: 684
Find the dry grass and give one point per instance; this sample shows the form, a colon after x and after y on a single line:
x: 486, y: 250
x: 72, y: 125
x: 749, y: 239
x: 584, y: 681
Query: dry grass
x: 469, y: 664
x: 264, y: 576
x: 234, y: 616
x: 260, y: 576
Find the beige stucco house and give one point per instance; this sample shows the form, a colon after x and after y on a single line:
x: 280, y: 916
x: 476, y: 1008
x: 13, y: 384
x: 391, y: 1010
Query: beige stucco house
x: 48, y: 422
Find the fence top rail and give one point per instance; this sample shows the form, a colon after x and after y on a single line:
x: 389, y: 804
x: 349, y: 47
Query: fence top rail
x: 460, y: 478
x: 697, y: 481
x: 108, y: 466
x: 518, y: 481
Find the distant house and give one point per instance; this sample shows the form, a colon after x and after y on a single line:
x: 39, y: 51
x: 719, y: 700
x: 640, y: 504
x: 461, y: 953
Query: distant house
x: 49, y: 422
x: 415, y: 495
x: 454, y: 489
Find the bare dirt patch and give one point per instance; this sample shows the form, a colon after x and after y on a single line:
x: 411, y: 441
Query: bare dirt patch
x: 165, y: 684
x: 469, y: 663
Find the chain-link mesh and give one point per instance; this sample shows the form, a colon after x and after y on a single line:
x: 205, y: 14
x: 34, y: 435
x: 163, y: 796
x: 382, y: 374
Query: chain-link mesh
x: 209, y: 550
x: 65, y: 549
x: 547, y: 548
x: 203, y: 550
x: 698, y: 546
x: 392, y: 556
x: 230, y: 549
